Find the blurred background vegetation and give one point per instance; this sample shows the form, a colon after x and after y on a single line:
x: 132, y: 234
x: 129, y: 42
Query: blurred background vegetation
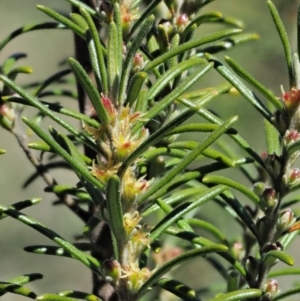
x: 46, y: 49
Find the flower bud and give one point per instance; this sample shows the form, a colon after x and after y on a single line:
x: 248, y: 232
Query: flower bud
x: 138, y: 62
x: 291, y: 137
x: 112, y: 270
x: 292, y: 177
x: 181, y: 22
x: 7, y: 116
x: 285, y: 221
x: 238, y: 250
x: 258, y: 188
x: 291, y: 99
x: 269, y: 200
x: 270, y: 288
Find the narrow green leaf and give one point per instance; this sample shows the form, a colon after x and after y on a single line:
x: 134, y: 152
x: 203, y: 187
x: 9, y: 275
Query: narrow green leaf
x: 296, y: 69
x: 113, y: 71
x: 90, y: 89
x: 284, y: 40
x: 59, y: 92
x: 284, y: 272
x: 281, y: 255
x: 61, y: 19
x: 177, y: 288
x: 238, y: 84
x: 54, y: 297
x: 52, y: 79
x: 181, y: 210
x: 198, y: 127
x: 209, y: 152
x: 56, y: 108
x: 212, y: 179
x: 115, y: 210
x: 66, y: 189
x: 54, y: 145
x: 6, y: 287
x: 239, y: 295
x: 191, y: 44
x: 89, y: 261
x: 98, y: 63
x: 171, y: 74
x: 20, y: 280
x: 145, y: 27
x: 255, y: 83
x: 189, y: 158
x: 21, y: 69
x: 172, y: 96
x: 272, y: 138
x: 142, y: 101
x: 208, y: 227
x: 79, y: 295
x: 2, y: 151
x: 22, y: 205
x: 173, y: 61
x: 231, y: 21
x: 176, y: 261
x: 117, y: 16
x: 163, y: 151
x: 135, y: 86
x: 79, y: 20
x: 57, y: 251
x: 29, y: 28
x: 287, y: 293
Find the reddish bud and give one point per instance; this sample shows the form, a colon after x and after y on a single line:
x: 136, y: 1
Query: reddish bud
x: 291, y: 136
x: 291, y: 99
x: 292, y: 177
x: 238, y: 250
x: 7, y: 111
x: 109, y: 107
x: 285, y: 221
x: 271, y: 288
x: 181, y: 22
x: 138, y: 62
x: 269, y: 199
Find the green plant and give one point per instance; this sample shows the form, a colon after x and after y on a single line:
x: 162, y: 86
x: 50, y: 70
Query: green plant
x: 134, y: 69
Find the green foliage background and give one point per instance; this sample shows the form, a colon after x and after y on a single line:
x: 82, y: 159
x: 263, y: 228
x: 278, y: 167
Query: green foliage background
x: 264, y: 59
